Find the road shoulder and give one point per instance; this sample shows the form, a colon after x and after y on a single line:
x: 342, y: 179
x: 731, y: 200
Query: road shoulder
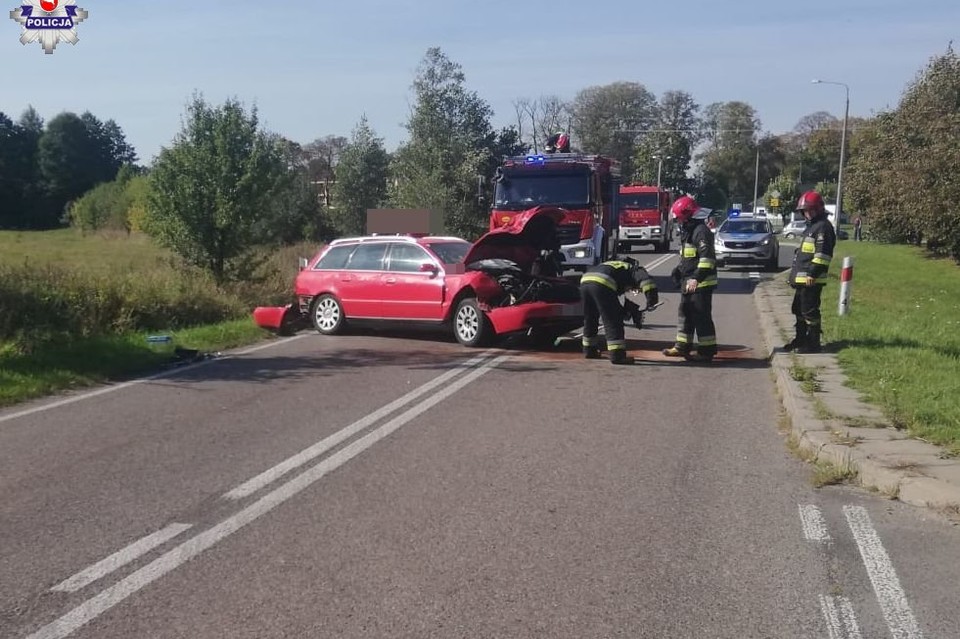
x: 829, y: 423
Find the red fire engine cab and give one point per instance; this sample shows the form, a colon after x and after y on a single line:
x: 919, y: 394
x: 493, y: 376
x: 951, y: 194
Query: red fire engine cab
x: 644, y: 218
x: 586, y: 187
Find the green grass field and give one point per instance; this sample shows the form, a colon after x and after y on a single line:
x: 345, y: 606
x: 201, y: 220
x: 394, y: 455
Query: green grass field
x: 76, y: 310
x: 900, y: 342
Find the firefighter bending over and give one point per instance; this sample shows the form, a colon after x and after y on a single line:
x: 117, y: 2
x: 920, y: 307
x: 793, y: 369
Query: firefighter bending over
x: 697, y: 277
x: 601, y: 287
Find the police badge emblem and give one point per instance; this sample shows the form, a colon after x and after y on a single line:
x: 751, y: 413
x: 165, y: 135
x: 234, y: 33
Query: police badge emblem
x: 48, y: 22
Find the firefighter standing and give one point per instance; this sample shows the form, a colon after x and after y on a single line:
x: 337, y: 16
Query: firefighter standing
x: 697, y: 277
x: 600, y: 288
x: 808, y: 275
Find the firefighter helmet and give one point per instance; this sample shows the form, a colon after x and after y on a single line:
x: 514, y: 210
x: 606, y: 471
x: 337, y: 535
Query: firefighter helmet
x: 811, y: 200
x: 684, y: 208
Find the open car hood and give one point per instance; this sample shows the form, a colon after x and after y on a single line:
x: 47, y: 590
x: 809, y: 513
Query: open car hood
x: 520, y: 240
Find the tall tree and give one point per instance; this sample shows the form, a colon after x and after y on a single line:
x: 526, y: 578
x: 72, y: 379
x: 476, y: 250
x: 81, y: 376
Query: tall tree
x: 672, y: 140
x: 904, y: 173
x: 361, y: 179
x: 69, y: 162
x: 12, y: 183
x: 214, y: 190
x: 32, y: 126
x: 609, y: 119
x: 451, y: 146
x: 732, y: 133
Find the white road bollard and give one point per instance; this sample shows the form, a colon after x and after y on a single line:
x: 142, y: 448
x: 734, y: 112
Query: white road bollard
x: 846, y: 282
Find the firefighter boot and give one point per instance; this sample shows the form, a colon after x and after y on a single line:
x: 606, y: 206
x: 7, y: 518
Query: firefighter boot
x: 812, y: 343
x: 799, y: 340
x: 619, y: 356
x: 591, y: 352
x: 676, y: 351
x: 701, y: 355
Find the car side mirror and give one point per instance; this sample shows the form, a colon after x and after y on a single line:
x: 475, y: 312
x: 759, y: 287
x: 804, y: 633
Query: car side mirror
x: 429, y: 267
x: 303, y: 263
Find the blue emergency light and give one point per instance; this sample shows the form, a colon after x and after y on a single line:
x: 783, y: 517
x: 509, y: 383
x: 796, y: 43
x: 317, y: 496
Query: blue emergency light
x: 535, y: 159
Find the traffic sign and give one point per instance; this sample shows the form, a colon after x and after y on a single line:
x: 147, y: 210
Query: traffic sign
x: 775, y: 202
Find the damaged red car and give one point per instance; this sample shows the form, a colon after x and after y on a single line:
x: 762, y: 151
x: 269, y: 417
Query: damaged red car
x: 508, y: 282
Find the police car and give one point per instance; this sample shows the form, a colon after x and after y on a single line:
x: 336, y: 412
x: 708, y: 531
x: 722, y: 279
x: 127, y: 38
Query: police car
x: 744, y: 239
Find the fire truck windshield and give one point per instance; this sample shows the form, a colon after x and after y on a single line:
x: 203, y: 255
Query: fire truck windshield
x: 638, y: 200
x: 526, y: 191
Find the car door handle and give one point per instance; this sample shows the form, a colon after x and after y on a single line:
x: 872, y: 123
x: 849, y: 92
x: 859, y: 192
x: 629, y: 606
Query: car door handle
x: 391, y: 280
x: 345, y: 278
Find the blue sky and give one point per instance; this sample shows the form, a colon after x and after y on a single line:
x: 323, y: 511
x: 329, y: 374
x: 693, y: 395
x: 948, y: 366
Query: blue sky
x: 313, y: 68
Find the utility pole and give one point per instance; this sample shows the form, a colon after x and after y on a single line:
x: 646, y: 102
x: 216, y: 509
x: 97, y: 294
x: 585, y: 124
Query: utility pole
x: 843, y: 146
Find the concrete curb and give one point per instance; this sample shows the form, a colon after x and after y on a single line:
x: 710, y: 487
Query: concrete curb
x: 833, y: 425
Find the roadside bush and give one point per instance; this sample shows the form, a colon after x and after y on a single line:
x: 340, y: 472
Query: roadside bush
x: 38, y: 303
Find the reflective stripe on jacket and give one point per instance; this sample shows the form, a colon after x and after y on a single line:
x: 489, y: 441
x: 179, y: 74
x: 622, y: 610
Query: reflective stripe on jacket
x: 619, y: 276
x: 813, y: 257
x: 698, y: 258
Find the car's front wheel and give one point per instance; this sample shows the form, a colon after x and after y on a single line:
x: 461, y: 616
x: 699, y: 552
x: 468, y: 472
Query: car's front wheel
x: 327, y: 316
x: 471, y: 326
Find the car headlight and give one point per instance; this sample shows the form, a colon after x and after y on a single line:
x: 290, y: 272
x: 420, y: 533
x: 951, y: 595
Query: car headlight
x: 718, y: 244
x: 583, y: 252
x: 764, y: 241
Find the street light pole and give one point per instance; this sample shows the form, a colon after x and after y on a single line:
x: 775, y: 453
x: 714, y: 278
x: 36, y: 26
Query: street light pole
x: 756, y: 180
x: 843, y: 147
x: 660, y: 159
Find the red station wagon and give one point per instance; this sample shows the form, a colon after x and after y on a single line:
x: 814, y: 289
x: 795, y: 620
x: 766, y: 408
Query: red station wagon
x: 504, y: 283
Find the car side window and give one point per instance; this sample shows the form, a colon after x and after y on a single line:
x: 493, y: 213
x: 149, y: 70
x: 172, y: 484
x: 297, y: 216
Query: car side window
x: 335, y: 258
x: 406, y: 258
x: 368, y: 257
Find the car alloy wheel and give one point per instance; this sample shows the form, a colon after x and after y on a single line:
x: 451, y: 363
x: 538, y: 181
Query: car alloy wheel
x: 470, y: 326
x: 327, y: 315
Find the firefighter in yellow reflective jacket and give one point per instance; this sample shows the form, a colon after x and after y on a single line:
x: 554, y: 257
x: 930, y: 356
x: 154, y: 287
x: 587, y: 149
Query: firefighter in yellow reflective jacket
x: 808, y: 275
x: 601, y: 287
x: 697, y: 277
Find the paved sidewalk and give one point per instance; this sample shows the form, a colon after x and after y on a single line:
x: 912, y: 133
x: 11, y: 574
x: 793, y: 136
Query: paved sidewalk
x: 832, y: 424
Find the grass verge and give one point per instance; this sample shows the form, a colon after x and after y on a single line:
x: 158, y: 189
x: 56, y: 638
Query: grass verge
x: 68, y: 364
x: 899, y: 344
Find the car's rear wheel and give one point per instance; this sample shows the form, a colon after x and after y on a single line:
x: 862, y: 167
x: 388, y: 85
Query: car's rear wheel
x: 327, y: 316
x: 471, y: 326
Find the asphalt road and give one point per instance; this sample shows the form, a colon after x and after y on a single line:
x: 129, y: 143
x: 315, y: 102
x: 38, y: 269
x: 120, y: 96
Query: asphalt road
x: 402, y: 486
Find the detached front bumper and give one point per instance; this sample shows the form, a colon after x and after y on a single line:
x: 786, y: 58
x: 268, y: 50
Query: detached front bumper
x: 511, y: 319
x: 283, y: 320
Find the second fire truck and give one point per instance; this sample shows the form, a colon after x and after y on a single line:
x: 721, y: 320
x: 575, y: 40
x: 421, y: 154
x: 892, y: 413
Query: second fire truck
x: 585, y: 186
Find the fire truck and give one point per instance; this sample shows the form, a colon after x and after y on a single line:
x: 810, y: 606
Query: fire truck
x: 644, y: 218
x: 586, y: 187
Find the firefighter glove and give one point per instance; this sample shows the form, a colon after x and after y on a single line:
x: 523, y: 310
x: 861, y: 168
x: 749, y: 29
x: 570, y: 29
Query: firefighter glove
x: 653, y: 298
x: 676, y: 276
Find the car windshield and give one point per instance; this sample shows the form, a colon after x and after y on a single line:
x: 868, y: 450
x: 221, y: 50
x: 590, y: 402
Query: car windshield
x: 638, y: 200
x: 744, y: 226
x: 449, y: 252
x: 526, y: 191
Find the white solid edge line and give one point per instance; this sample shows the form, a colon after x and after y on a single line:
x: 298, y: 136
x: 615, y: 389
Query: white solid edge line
x: 886, y: 585
x: 831, y: 616
x: 308, y: 454
x: 120, y: 558
x: 660, y: 260
x: 109, y: 389
x: 814, y: 526
x: 97, y: 605
x: 839, y: 616
x: 849, y: 618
